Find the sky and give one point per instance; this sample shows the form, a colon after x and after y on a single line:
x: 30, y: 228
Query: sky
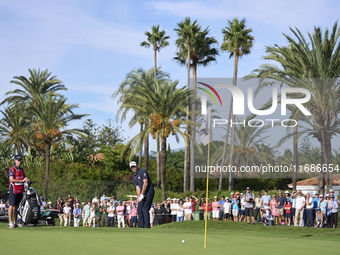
x: 91, y: 45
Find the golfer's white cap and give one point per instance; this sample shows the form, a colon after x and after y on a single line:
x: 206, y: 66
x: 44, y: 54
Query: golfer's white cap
x: 132, y: 163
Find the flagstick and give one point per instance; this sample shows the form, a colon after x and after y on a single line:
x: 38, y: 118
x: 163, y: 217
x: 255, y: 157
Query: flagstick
x: 206, y: 199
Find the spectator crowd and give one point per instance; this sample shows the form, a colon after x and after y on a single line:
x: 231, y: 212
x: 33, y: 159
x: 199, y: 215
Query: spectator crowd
x: 291, y: 209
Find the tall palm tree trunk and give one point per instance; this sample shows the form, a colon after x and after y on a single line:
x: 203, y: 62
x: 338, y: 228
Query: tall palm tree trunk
x: 187, y: 145
x: 328, y: 157
x: 225, y: 145
x: 193, y: 131
x: 146, y: 151
x: 295, y: 155
x: 158, y: 164
x: 163, y: 167
x: 48, y: 148
x: 141, y: 148
x: 232, y: 141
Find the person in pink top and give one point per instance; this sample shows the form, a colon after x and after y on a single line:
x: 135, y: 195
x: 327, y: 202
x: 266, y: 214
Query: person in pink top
x: 273, y: 205
x: 133, y: 214
x: 120, y: 214
x: 215, y: 206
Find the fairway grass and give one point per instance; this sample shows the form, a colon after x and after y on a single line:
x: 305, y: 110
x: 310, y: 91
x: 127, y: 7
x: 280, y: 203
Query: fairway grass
x: 222, y: 238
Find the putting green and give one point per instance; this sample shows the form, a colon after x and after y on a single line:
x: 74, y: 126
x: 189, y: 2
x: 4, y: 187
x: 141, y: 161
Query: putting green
x: 223, y: 238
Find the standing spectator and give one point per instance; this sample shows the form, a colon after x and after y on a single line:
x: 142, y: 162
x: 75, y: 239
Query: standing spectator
x: 152, y: 214
x: 120, y: 214
x: 103, y: 197
x: 76, y: 214
x: 231, y: 202
x: 266, y: 198
x: 309, y: 211
x: 273, y: 205
x: 2, y: 207
x: 98, y: 212
x: 180, y: 211
x: 193, y: 202
x: 316, y: 200
x: 226, y: 210
x: 103, y: 220
x: 328, y: 212
x: 133, y: 214
x: 249, y: 205
x: 333, y: 205
x: 70, y: 203
x: 67, y: 214
x: 319, y: 218
x: 111, y: 215
x: 113, y: 201
x: 242, y: 211
x: 258, y: 205
x: 60, y: 210
x: 208, y: 212
x: 159, y: 214
x: 76, y: 200
x: 293, y: 202
x: 187, y: 206
x: 167, y: 204
x: 281, y: 203
x: 322, y: 205
x: 331, y: 193
x: 93, y: 215
x: 87, y: 214
x: 300, y: 205
x: 288, y: 212
x: 127, y: 213
x: 95, y: 200
x: 235, y: 207
x: 43, y: 204
x: 221, y: 212
x: 201, y: 208
x: 215, y: 207
x: 174, y: 208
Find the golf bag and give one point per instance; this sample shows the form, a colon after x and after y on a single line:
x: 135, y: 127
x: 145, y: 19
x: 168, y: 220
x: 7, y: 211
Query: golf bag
x: 29, y: 207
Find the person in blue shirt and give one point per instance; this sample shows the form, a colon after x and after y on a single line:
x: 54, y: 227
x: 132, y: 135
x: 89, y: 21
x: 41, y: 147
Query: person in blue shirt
x: 145, y: 193
x: 221, y: 202
x: 43, y: 205
x: 235, y: 207
x: 265, y: 198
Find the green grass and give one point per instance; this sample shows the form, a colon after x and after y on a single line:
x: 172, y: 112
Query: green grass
x: 222, y: 238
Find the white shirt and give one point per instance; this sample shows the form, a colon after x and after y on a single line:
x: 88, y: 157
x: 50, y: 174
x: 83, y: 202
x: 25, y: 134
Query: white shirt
x: 2, y: 206
x: 93, y: 214
x: 95, y: 200
x: 187, y: 210
x: 174, y: 206
x: 269, y: 215
x: 111, y: 214
x: 310, y: 200
x: 67, y: 210
x: 127, y: 209
x: 242, y: 204
x: 294, y: 202
x: 227, y: 207
x: 151, y: 211
x: 299, y: 201
x: 180, y: 212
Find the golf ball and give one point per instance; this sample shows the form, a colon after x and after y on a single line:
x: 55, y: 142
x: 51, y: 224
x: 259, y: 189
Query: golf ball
x: 183, y: 241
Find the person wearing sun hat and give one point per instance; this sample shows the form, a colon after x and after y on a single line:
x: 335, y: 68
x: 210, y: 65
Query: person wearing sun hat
x: 145, y: 193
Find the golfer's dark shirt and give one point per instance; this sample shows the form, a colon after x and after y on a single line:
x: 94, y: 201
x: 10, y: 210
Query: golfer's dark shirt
x: 139, y: 177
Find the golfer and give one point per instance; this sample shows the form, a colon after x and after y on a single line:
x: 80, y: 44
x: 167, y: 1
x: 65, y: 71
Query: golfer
x: 16, y: 189
x: 145, y: 193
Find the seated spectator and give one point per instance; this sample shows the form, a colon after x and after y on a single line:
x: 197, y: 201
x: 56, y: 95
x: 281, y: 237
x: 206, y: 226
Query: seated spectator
x: 67, y: 215
x: 120, y: 214
x: 76, y: 214
x: 319, y: 218
x: 267, y: 218
x: 111, y: 215
x: 133, y: 214
x: 43, y: 205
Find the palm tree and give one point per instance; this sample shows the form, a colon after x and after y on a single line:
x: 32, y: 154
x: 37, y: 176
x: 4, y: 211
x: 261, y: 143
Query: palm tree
x: 13, y: 127
x: 238, y: 42
x: 38, y: 84
x: 187, y: 32
x: 318, y: 60
x: 166, y: 105
x: 158, y: 40
x: 133, y: 80
x: 51, y: 115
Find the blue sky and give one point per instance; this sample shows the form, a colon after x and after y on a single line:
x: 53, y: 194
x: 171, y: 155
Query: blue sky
x: 92, y: 45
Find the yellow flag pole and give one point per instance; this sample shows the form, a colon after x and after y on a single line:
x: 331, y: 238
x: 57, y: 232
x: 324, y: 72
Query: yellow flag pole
x: 206, y: 199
